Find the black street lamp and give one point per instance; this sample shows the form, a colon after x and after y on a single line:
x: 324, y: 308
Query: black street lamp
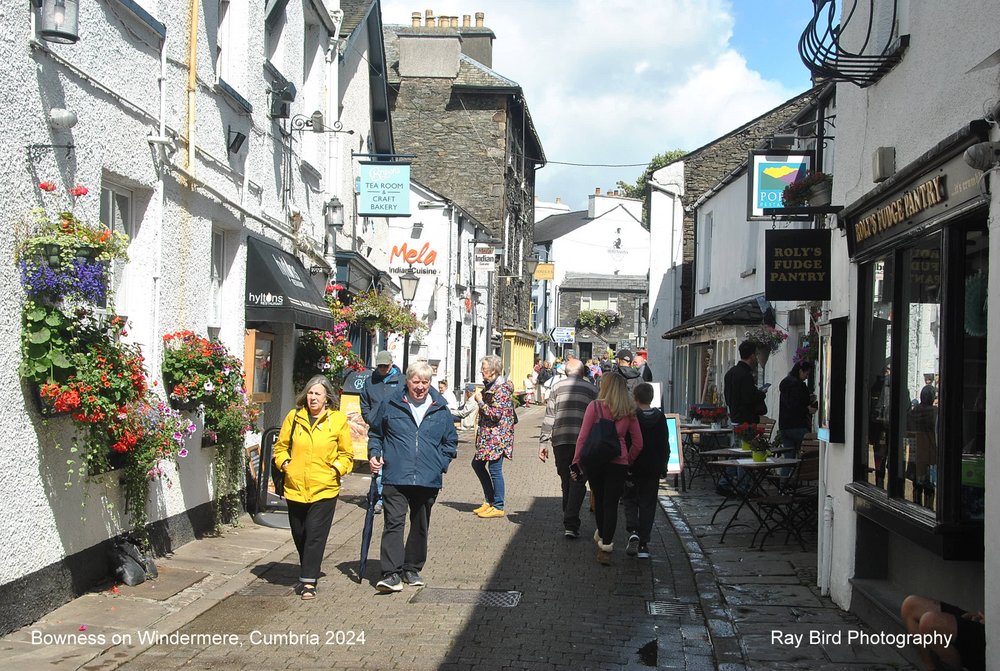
x: 408, y: 286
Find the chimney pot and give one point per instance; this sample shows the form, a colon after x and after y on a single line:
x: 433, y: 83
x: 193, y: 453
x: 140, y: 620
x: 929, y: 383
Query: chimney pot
x: 480, y: 16
x: 597, y: 191
x: 467, y: 20
x: 558, y: 199
x: 454, y: 22
x: 415, y: 19
x: 429, y: 17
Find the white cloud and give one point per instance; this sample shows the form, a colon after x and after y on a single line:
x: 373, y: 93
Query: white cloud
x: 617, y: 81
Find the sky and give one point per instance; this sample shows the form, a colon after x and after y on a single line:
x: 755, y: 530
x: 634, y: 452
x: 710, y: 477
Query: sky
x: 616, y: 82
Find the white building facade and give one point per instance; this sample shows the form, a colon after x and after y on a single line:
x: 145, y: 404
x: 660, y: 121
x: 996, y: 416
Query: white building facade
x: 184, y: 143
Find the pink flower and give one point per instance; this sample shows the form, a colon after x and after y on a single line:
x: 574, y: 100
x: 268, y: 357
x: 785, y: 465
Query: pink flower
x: 48, y: 187
x: 78, y: 190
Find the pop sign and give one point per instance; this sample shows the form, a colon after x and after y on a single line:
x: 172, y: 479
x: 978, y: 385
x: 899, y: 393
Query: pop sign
x: 385, y: 190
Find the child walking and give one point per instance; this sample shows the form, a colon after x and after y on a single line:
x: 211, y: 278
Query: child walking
x: 651, y: 465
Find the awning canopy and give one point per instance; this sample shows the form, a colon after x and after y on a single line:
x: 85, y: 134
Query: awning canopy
x: 279, y: 289
x: 744, y: 311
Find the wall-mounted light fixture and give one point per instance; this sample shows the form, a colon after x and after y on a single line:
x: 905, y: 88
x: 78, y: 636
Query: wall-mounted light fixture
x: 333, y: 214
x: 314, y: 122
x: 235, y: 140
x: 62, y: 118
x: 281, y: 100
x: 56, y: 20
x: 983, y: 156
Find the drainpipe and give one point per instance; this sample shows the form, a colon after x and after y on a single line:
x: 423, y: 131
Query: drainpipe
x: 334, y: 143
x: 192, y: 83
x: 155, y: 344
x: 827, y: 557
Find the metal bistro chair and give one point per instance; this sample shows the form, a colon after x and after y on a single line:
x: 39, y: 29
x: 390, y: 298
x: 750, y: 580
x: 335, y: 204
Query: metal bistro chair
x: 791, y: 509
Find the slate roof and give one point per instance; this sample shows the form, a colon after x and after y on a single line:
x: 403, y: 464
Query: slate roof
x: 555, y: 226
x: 582, y: 281
x: 354, y: 13
x: 743, y: 311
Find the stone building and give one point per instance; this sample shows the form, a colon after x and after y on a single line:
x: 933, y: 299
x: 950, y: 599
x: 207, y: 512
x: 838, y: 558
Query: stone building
x: 473, y: 140
x: 673, y: 192
x: 620, y: 296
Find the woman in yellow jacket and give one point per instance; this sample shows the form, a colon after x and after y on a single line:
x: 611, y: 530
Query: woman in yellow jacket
x: 314, y: 452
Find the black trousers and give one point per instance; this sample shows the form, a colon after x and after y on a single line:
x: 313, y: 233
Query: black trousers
x: 310, y: 523
x: 640, y: 505
x: 607, y: 486
x: 396, y: 499
x: 573, y: 491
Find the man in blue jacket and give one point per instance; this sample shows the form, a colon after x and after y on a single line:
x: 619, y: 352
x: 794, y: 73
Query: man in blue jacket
x: 385, y: 381
x: 411, y: 441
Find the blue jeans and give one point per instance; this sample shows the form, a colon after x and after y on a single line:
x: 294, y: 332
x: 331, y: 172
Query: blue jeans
x: 490, y: 474
x: 378, y: 485
x: 791, y: 439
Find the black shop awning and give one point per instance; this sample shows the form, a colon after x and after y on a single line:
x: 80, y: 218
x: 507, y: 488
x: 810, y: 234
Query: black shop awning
x: 279, y: 289
x: 744, y: 311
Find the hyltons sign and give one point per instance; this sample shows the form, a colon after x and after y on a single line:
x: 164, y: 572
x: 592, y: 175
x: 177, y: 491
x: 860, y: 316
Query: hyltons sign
x: 797, y: 265
x: 769, y: 173
x: 385, y: 190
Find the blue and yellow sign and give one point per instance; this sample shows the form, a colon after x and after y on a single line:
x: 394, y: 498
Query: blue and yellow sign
x: 770, y: 173
x: 385, y: 190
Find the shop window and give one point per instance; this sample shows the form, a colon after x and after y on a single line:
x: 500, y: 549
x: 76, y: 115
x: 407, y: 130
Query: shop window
x: 877, y: 337
x: 916, y: 462
x: 257, y: 357
x: 972, y: 426
x: 923, y: 351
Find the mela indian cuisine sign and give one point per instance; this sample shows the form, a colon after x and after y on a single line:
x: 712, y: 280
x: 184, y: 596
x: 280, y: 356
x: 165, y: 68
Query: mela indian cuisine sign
x: 797, y: 265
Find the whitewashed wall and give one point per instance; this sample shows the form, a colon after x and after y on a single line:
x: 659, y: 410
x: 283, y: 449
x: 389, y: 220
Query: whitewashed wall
x: 929, y: 95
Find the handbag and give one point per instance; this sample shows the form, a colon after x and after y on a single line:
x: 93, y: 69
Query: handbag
x: 602, y: 444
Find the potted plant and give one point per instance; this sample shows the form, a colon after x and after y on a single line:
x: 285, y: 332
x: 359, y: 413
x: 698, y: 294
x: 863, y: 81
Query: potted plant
x: 326, y: 353
x: 814, y: 188
x: 748, y: 433
x: 768, y: 340
x: 373, y: 310
x: 598, y: 320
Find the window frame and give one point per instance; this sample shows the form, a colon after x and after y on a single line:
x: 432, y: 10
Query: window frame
x: 118, y: 276
x: 942, y: 529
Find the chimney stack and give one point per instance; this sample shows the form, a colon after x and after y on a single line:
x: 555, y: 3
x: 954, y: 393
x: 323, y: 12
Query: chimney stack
x: 429, y: 53
x: 429, y: 18
x: 454, y: 22
x: 415, y: 19
x: 466, y: 21
x: 479, y: 19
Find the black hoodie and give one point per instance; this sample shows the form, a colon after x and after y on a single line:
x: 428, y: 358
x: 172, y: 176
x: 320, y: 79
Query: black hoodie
x: 652, y: 461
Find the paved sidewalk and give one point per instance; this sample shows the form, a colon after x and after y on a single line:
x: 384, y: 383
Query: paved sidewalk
x: 508, y: 593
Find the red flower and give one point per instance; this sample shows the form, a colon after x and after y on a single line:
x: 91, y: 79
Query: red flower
x: 78, y: 191
x: 48, y: 187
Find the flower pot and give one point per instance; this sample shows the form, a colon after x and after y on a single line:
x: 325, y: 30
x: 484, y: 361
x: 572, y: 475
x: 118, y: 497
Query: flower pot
x: 51, y: 255
x: 820, y: 194
x: 87, y: 252
x: 763, y: 354
x: 715, y: 426
x: 759, y: 456
x: 745, y: 445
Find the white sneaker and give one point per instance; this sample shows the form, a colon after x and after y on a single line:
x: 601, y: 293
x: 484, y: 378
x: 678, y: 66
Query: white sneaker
x: 632, y: 549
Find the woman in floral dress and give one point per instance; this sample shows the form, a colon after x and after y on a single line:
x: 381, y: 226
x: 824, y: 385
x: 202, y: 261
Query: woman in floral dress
x: 495, y: 438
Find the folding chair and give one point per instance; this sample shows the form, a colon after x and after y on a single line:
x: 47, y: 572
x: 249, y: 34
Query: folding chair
x: 795, y: 503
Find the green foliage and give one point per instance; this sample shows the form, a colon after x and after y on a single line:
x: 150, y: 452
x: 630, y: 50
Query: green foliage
x: 373, y: 310
x: 638, y: 189
x: 598, y: 320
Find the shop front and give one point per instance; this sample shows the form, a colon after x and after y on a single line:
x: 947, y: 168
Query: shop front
x: 920, y: 245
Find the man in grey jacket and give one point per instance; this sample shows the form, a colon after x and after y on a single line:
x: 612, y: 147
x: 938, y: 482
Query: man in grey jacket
x: 563, y: 418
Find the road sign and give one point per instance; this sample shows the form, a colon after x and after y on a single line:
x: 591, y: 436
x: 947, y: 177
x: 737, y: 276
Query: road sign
x: 564, y: 335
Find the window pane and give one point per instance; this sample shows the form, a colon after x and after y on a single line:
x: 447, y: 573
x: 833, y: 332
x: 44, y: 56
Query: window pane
x: 918, y: 459
x: 879, y: 275
x: 973, y: 382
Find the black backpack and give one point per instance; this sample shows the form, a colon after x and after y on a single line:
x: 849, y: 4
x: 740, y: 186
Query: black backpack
x: 602, y: 444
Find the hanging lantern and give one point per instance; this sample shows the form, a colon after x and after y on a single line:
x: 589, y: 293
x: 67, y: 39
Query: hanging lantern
x: 56, y: 20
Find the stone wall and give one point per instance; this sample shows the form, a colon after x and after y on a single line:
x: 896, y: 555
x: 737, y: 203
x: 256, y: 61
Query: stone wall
x: 707, y: 166
x: 569, y: 310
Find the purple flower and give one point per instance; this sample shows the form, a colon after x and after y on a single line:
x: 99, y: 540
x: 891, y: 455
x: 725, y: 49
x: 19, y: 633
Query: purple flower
x: 182, y: 452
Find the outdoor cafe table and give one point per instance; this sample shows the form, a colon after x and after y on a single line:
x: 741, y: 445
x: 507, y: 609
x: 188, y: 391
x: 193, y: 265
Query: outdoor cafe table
x: 693, y: 452
x: 756, y: 471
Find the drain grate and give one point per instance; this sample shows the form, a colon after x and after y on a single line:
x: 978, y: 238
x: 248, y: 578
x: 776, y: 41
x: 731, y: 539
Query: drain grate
x: 675, y: 608
x: 488, y: 598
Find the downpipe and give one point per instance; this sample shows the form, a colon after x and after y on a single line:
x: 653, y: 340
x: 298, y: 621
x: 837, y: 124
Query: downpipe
x: 827, y: 547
